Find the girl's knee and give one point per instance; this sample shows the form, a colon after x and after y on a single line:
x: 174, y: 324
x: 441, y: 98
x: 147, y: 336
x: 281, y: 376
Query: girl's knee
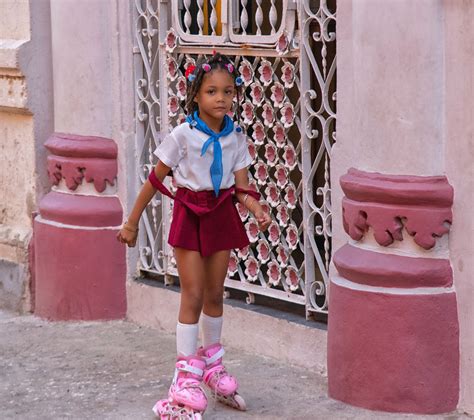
x: 192, y: 298
x: 214, y: 296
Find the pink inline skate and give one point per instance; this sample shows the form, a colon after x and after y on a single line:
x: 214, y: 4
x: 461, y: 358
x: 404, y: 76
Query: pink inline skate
x: 223, y: 386
x: 186, y: 399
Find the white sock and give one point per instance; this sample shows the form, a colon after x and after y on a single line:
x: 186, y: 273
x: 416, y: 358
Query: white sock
x: 211, y: 329
x: 186, y: 338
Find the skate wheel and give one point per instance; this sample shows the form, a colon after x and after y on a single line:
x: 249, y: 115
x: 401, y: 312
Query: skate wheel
x: 162, y: 410
x: 234, y: 401
x: 240, y: 402
x: 156, y: 408
x: 167, y: 410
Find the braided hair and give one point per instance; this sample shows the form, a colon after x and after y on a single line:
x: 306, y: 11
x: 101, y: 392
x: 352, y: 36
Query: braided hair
x: 216, y: 61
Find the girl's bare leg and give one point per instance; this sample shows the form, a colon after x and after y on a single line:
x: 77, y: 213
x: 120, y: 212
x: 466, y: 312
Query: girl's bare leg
x: 192, y: 275
x: 185, y: 396
x: 215, y: 273
x: 222, y: 384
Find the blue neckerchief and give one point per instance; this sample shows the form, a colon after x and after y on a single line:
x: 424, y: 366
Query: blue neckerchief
x: 216, y: 167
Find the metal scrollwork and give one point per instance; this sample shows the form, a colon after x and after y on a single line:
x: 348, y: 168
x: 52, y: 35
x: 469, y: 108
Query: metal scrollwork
x: 288, y: 113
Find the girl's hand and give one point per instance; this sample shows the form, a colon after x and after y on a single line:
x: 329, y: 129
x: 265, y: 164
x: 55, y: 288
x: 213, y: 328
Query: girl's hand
x: 127, y: 235
x: 263, y: 219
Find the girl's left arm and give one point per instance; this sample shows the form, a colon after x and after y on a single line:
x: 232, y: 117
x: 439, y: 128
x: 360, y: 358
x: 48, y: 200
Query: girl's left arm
x: 242, y: 181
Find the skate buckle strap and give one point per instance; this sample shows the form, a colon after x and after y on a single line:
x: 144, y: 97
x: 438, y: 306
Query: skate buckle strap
x: 184, y: 366
x: 216, y: 356
x: 216, y: 371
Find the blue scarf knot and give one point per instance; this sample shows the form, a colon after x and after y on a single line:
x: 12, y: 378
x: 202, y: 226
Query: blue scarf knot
x: 216, y: 166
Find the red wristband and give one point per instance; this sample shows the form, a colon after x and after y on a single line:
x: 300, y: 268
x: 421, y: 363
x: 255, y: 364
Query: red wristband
x: 252, y: 193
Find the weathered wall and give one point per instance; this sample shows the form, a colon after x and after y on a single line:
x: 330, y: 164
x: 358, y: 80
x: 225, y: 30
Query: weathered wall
x: 93, y: 81
x: 459, y: 160
x: 404, y: 71
x: 26, y: 109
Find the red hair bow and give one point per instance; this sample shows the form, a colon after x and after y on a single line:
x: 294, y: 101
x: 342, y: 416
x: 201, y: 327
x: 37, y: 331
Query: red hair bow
x: 189, y: 70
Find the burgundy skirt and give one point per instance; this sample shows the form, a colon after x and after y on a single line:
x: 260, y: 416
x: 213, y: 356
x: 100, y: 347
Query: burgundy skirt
x: 208, y: 233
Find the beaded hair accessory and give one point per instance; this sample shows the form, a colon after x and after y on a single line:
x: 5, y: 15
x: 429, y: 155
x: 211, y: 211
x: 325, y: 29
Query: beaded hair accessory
x: 190, y: 70
x: 190, y: 73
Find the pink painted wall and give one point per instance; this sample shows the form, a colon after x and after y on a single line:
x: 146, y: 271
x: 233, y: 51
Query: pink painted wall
x: 387, y: 353
x: 80, y: 273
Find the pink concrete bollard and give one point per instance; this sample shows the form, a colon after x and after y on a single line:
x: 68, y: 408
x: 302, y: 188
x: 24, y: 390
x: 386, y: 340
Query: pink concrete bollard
x: 393, y: 333
x: 80, y: 268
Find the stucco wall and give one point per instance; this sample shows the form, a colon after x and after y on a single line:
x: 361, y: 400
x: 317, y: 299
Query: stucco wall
x: 26, y: 121
x: 390, y: 92
x: 18, y: 180
x: 15, y: 19
x: 93, y: 81
x: 459, y: 118
x: 83, y: 74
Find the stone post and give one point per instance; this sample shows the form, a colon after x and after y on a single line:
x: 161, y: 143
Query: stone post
x: 400, y: 334
x: 80, y: 266
x: 393, y: 341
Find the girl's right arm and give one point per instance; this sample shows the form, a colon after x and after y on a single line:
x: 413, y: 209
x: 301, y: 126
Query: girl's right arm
x: 129, y: 231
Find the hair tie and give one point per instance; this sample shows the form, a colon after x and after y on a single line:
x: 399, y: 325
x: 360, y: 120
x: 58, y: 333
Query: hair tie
x: 189, y: 74
x: 229, y: 67
x: 239, y: 81
x: 206, y: 67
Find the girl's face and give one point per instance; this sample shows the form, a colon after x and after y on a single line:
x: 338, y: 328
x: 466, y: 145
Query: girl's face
x: 215, y: 95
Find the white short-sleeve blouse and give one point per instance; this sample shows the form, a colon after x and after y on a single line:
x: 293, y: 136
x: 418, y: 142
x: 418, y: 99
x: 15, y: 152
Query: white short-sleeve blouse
x: 181, y: 151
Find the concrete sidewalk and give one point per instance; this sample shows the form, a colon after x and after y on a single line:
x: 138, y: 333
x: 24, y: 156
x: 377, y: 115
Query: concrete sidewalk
x: 117, y: 370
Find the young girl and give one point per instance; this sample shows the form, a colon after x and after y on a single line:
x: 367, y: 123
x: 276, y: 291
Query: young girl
x: 209, y: 160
